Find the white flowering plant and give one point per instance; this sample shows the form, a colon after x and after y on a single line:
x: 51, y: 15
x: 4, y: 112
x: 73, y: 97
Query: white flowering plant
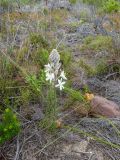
x: 54, y: 74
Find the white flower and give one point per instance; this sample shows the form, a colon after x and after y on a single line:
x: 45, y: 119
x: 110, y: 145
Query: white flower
x: 60, y: 84
x: 48, y: 68
x: 62, y: 75
x: 50, y: 77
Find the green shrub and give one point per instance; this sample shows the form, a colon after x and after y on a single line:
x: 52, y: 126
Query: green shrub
x: 38, y: 41
x: 7, y: 5
x: 90, y: 71
x: 111, y: 6
x: 97, y: 43
x: 51, y: 110
x: 101, y: 67
x: 33, y: 82
x: 4, y: 3
x: 106, y: 5
x: 24, y: 1
x: 75, y: 95
x: 65, y: 57
x: 9, y: 127
x: 25, y: 96
x: 46, y: 11
x: 36, y: 83
x: 84, y: 15
x: 42, y: 57
x: 94, y: 2
x: 73, y: 1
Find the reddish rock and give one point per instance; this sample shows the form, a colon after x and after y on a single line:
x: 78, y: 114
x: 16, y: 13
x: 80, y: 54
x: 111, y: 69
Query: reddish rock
x: 103, y: 107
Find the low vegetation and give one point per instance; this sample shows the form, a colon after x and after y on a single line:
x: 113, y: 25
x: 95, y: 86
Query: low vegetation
x: 9, y: 127
x: 97, y: 43
x: 107, y: 6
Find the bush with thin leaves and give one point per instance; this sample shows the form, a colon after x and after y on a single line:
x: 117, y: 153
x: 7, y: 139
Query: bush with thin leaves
x: 9, y: 127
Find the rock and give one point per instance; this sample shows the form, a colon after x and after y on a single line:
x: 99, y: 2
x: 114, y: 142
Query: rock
x: 38, y: 115
x: 103, y: 107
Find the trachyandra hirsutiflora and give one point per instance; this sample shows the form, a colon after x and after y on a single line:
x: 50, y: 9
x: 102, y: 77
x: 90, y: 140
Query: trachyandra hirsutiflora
x: 54, y: 74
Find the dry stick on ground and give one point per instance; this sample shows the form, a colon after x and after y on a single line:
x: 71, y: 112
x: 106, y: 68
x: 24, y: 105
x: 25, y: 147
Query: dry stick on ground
x: 18, y: 147
x: 91, y: 154
x: 64, y: 37
x: 3, y: 156
x: 111, y: 74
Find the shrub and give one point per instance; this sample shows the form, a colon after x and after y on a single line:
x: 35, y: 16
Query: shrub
x: 97, y: 43
x: 93, y: 2
x: 59, y: 16
x: 7, y: 5
x: 72, y: 1
x: 9, y: 127
x: 4, y: 3
x: 42, y: 57
x: 33, y: 82
x: 75, y: 95
x: 111, y: 6
x: 90, y: 71
x: 106, y: 5
x: 101, y: 67
x: 38, y: 40
x: 66, y: 58
x: 24, y: 1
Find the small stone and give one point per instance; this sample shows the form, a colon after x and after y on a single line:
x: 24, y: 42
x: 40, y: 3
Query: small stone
x: 38, y: 115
